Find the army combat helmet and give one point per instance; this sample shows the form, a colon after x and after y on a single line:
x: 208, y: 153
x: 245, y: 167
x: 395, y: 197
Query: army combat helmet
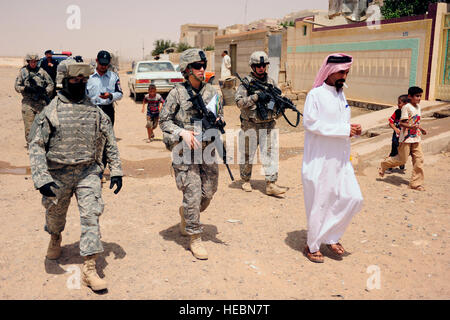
x: 76, y: 69
x: 258, y: 57
x: 31, y: 56
x: 190, y: 56
x: 75, y: 89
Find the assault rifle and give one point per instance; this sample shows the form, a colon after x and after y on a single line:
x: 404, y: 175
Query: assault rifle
x: 208, y: 122
x: 38, y: 92
x: 276, y: 102
x: 261, y: 108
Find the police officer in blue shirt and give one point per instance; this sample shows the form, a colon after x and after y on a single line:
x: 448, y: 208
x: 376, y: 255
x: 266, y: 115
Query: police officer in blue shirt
x: 103, y: 87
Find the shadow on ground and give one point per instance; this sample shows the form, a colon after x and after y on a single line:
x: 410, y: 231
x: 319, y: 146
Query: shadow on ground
x: 394, y: 180
x: 173, y: 234
x: 297, y: 241
x: 71, y: 256
x: 259, y: 185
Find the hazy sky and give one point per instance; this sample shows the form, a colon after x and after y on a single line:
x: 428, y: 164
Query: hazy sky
x: 122, y: 26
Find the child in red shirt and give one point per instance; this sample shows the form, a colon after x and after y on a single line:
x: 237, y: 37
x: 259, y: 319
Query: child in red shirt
x: 154, y: 102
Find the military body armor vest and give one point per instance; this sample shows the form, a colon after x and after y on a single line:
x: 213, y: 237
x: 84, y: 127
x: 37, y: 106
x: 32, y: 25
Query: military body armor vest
x: 76, y: 133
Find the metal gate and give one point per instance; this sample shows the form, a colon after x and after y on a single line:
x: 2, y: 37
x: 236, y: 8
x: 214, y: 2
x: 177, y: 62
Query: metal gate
x: 443, y: 87
x: 275, y: 55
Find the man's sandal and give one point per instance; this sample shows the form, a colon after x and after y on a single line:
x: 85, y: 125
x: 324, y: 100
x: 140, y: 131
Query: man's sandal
x: 337, y: 249
x: 419, y: 188
x: 381, y: 172
x: 316, y: 257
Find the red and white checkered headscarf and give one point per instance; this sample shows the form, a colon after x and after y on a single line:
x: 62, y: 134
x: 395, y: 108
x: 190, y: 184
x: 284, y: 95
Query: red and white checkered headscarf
x: 330, y: 68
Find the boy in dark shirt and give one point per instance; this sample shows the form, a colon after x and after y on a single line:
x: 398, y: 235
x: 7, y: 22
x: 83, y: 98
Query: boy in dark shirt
x: 154, y: 102
x: 394, y: 123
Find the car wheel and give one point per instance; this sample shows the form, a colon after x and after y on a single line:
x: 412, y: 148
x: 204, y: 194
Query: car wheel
x: 138, y: 97
x: 131, y: 91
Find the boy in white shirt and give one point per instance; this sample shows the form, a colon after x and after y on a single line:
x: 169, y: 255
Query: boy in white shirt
x: 410, y: 137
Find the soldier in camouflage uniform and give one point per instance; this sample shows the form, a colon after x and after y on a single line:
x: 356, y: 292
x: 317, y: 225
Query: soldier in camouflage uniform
x: 198, y: 182
x: 32, y: 102
x: 252, y: 123
x: 67, y: 141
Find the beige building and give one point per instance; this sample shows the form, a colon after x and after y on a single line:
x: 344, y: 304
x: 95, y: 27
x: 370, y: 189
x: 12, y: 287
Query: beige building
x: 264, y: 24
x: 198, y: 35
x: 389, y: 56
x: 262, y: 35
x: 241, y: 45
x: 234, y: 29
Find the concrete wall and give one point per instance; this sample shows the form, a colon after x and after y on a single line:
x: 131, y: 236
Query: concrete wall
x: 204, y: 39
x: 387, y: 60
x: 441, y: 87
x: 283, y: 60
x: 189, y: 38
x: 247, y: 42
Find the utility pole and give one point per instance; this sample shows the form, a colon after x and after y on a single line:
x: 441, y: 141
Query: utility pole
x: 245, y: 12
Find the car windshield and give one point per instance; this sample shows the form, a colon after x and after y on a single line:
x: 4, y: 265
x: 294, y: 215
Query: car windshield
x: 155, y: 67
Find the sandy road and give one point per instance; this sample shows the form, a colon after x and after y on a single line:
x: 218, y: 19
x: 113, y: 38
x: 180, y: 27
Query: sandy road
x: 401, y: 232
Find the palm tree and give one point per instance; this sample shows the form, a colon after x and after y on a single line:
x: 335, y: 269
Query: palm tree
x: 161, y: 45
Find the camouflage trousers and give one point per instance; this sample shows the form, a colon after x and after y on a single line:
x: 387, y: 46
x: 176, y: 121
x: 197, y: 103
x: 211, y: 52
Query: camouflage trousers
x: 30, y: 109
x: 84, y: 182
x: 260, y: 134
x: 198, y: 182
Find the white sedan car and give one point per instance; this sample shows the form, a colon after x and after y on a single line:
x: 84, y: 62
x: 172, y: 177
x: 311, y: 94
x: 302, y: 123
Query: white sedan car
x: 160, y: 73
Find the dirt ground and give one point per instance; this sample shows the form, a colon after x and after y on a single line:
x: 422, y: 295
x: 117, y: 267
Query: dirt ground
x: 254, y: 241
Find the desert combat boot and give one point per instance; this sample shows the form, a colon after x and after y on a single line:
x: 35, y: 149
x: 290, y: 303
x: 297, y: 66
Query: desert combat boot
x: 273, y: 190
x: 182, y: 222
x: 90, y: 277
x: 197, y: 248
x: 246, y: 186
x: 54, y: 247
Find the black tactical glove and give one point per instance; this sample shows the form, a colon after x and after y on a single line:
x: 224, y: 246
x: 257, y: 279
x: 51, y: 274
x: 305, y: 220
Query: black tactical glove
x: 45, y: 190
x: 41, y: 90
x: 262, y: 96
x: 29, y: 90
x: 116, y: 181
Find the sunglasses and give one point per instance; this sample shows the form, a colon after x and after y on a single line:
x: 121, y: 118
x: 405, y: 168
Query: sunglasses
x: 199, y: 65
x: 260, y: 65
